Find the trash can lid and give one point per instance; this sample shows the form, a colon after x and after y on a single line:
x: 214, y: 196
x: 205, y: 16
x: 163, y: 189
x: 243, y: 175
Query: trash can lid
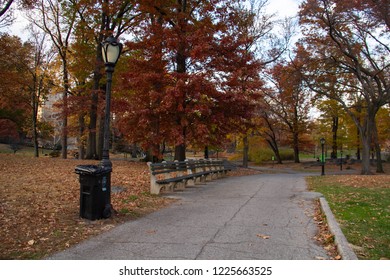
x: 92, y: 169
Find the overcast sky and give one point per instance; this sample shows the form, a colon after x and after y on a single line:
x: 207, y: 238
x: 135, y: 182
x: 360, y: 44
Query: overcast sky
x: 282, y: 7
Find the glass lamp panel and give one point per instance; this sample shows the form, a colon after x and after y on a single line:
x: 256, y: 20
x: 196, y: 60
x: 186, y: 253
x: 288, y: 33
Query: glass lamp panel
x: 113, y: 52
x: 104, y: 52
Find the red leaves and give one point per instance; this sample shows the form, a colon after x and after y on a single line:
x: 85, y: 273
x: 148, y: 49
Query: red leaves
x: 184, y: 79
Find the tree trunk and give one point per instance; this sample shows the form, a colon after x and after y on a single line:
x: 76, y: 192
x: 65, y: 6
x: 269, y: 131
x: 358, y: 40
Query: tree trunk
x: 296, y: 147
x: 295, y: 132
x: 35, y: 135
x: 134, y: 150
x: 366, y: 143
x: 34, y: 104
x: 274, y: 146
x: 379, y: 165
x: 358, y: 144
x: 366, y: 133
x: 80, y: 140
x: 64, y: 134
x: 335, y: 126
x: 91, y: 145
x: 180, y: 152
x: 92, y: 128
x: 245, y: 159
x: 100, y: 140
x: 149, y: 156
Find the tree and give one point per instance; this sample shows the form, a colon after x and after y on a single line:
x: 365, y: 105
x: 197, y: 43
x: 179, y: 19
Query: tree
x: 145, y: 115
x: 270, y: 128
x: 349, y: 41
x: 99, y: 19
x: 177, y: 89
x: 14, y: 97
x: 287, y: 99
x: 57, y: 19
x: 83, y: 53
x: 241, y: 67
x: 332, y: 111
x: 40, y: 78
x: 6, y: 10
x: 261, y: 32
x: 26, y: 81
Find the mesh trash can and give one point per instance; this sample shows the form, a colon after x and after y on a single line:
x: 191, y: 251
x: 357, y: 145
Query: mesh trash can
x: 95, y: 191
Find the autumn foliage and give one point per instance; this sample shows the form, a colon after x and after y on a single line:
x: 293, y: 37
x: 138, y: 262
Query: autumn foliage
x: 182, y: 83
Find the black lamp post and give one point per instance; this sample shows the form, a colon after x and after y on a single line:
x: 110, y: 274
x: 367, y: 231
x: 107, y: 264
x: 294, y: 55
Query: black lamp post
x: 322, y: 141
x: 111, y: 50
x: 341, y: 162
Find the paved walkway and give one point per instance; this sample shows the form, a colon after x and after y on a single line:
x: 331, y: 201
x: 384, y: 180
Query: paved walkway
x: 265, y: 216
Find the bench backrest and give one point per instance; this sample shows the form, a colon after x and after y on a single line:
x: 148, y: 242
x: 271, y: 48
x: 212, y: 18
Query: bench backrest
x: 193, y: 165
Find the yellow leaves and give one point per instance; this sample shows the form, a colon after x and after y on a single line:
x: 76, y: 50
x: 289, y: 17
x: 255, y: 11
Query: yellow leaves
x: 263, y: 236
x: 31, y: 242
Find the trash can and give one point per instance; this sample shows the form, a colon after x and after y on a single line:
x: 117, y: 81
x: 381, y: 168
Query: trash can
x: 95, y: 191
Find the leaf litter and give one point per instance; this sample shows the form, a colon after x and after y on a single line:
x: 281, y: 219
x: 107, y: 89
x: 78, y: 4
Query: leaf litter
x: 40, y: 197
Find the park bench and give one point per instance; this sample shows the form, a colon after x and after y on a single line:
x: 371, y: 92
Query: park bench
x: 176, y: 175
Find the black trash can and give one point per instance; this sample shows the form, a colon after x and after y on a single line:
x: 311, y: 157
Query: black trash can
x: 95, y: 191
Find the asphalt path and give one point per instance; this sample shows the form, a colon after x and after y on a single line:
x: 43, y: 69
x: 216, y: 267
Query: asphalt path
x: 265, y: 216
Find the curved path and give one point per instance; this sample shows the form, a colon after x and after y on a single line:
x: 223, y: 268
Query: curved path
x: 266, y: 216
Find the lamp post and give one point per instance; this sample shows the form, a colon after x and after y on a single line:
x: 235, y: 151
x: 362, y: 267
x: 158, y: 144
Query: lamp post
x: 111, y: 50
x: 322, y: 141
x: 341, y: 162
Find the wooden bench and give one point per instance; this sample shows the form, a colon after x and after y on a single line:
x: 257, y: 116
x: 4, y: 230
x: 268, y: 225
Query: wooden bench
x: 172, y: 175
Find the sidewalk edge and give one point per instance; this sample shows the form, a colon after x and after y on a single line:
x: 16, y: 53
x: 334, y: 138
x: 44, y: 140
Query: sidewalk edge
x: 342, y: 244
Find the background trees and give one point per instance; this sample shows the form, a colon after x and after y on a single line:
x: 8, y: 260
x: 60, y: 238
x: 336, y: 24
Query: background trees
x: 26, y: 82
x: 192, y: 73
x: 189, y: 75
x: 97, y: 19
x: 288, y: 100
x: 57, y: 19
x: 14, y: 99
x: 7, y: 8
x: 347, y: 47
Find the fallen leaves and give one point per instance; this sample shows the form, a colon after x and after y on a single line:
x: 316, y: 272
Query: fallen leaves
x: 239, y: 171
x: 362, y: 181
x: 40, y: 200
x: 39, y: 204
x: 263, y: 236
x: 324, y: 237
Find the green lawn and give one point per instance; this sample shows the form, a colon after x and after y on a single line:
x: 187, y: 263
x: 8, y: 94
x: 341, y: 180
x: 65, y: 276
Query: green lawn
x: 23, y: 150
x: 361, y: 204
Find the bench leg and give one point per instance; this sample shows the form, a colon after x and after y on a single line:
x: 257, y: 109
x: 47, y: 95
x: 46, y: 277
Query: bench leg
x: 191, y: 182
x: 180, y: 185
x: 155, y: 188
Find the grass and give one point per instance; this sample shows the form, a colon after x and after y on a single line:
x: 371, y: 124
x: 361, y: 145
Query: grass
x: 23, y: 150
x: 361, y: 204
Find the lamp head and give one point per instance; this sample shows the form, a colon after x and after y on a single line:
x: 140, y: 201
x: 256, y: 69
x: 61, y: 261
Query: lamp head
x: 111, y: 50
